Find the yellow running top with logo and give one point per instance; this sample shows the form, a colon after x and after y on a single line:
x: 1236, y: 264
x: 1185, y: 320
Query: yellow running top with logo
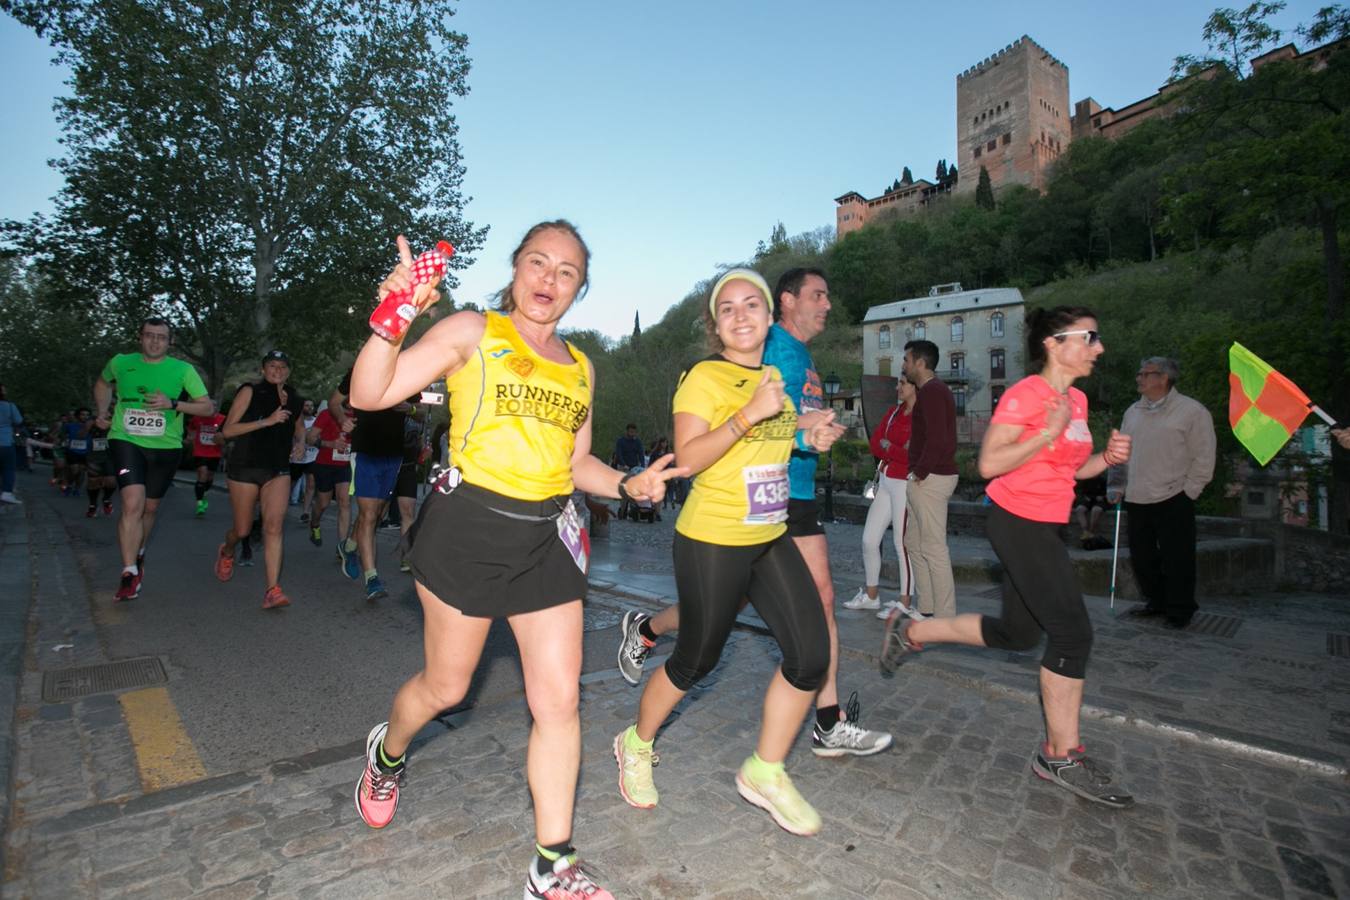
x: 740, y: 499
x: 514, y: 415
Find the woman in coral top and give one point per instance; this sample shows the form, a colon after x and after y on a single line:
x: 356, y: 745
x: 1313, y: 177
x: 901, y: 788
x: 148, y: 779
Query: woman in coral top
x: 1037, y: 444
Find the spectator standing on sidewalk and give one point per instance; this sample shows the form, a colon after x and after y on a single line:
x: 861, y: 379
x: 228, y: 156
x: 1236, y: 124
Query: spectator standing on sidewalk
x: 932, y: 480
x: 1172, y: 462
x: 628, y: 455
x: 10, y: 418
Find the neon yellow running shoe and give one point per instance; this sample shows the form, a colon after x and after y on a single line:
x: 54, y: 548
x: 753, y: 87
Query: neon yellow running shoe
x: 780, y: 799
x: 635, y: 772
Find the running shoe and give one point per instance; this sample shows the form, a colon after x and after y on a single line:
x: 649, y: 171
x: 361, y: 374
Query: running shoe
x: 107, y: 507
x: 860, y: 600
x: 635, y: 772
x: 274, y: 598
x: 8, y: 497
x: 911, y: 611
x: 895, y: 643
x: 377, y: 791
x: 847, y: 737
x: 569, y: 880
x: 1083, y: 776
x: 140, y: 562
x: 201, y: 507
x: 633, y: 647
x: 779, y: 797
x: 404, y: 565
x: 304, y: 517
x: 130, y: 587
x: 375, y: 589
x: 351, y: 561
x: 316, y: 536
x: 91, y: 511
x: 245, y: 553
x: 224, y: 564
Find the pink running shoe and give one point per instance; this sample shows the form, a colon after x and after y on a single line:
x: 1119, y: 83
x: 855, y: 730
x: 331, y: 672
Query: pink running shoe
x: 377, y: 791
x: 274, y: 598
x: 224, y: 564
x: 569, y: 880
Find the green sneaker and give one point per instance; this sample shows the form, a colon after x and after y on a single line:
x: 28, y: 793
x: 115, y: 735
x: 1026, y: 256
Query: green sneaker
x: 201, y: 507
x: 635, y: 772
x: 316, y: 536
x: 780, y: 799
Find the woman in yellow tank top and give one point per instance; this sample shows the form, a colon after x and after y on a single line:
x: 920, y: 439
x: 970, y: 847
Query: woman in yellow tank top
x: 499, y: 537
x: 735, y: 427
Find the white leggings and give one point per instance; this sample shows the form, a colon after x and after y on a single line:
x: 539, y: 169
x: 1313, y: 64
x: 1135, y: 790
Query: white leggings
x: 888, y: 509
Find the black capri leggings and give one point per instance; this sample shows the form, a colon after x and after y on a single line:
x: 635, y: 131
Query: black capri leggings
x: 712, y: 579
x: 1040, y: 593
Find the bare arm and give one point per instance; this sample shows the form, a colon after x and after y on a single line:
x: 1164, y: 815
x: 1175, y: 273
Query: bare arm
x: 103, y: 394
x: 384, y: 376
x: 233, y: 428
x: 592, y: 476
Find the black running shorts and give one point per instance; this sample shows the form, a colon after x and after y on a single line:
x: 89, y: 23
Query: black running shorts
x: 134, y: 464
x: 803, y: 518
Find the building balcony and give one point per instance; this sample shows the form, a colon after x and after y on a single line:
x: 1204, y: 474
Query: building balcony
x: 954, y: 376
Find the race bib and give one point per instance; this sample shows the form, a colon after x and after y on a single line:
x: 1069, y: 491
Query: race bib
x: 766, y: 494
x: 342, y: 455
x: 574, y: 537
x: 207, y: 438
x: 143, y: 422
x: 77, y: 445
x: 100, y: 445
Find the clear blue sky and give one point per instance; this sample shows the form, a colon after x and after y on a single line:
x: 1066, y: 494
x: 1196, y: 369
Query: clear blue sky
x: 676, y: 135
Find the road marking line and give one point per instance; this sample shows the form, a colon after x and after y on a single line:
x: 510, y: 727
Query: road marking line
x: 164, y: 753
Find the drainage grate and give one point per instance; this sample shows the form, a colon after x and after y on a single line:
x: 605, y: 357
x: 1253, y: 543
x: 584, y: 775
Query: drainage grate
x: 1338, y: 644
x: 70, y: 684
x: 1290, y: 663
x: 1214, y: 624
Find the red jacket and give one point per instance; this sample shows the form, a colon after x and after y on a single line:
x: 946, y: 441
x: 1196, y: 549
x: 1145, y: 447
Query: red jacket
x: 895, y: 427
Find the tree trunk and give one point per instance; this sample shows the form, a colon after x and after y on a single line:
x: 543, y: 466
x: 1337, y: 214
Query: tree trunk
x: 1339, y: 494
x: 264, y: 264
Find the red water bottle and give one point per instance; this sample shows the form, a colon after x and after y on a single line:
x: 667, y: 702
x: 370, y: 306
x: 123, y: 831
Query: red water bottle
x: 396, y: 311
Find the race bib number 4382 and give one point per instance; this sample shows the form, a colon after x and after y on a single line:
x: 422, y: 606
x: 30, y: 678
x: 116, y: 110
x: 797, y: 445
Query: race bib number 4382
x: 766, y: 494
x: 143, y: 422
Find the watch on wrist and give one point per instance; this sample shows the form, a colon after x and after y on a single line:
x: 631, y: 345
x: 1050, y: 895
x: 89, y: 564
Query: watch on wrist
x: 623, y: 487
x: 173, y: 404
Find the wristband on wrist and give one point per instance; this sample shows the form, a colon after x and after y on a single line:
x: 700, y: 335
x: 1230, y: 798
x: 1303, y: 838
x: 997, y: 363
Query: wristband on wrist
x: 741, y: 421
x: 801, y: 442
x: 623, y: 487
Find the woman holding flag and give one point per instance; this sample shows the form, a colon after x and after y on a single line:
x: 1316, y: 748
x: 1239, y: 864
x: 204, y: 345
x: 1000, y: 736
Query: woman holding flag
x: 1037, y: 444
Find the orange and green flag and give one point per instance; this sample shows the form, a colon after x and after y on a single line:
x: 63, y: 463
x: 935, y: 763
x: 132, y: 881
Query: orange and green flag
x: 1264, y: 407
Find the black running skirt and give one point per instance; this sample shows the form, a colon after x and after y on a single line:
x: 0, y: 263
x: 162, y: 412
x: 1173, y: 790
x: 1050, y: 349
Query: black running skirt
x: 486, y: 564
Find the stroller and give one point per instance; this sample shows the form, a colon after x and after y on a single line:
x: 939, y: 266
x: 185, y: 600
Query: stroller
x: 639, y: 510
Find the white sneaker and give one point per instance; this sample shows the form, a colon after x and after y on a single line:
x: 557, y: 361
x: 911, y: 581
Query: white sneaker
x: 860, y: 600
x: 911, y: 611
x: 8, y: 497
x: 885, y: 611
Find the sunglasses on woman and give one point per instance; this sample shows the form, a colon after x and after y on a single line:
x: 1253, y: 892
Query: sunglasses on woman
x: 1090, y: 338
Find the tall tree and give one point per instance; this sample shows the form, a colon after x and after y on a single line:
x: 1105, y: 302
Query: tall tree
x: 906, y: 177
x: 984, y: 190
x: 223, y: 157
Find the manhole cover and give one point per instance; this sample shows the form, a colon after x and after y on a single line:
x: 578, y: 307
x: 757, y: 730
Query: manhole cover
x: 1338, y: 644
x: 70, y: 684
x: 1214, y: 624
x: 599, y: 619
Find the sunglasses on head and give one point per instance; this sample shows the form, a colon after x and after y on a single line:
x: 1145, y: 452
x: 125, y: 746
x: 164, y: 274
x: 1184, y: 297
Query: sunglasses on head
x: 1089, y: 337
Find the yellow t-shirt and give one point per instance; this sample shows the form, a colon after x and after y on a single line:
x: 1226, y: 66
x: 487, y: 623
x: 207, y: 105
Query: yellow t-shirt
x: 514, y: 415
x: 742, y: 498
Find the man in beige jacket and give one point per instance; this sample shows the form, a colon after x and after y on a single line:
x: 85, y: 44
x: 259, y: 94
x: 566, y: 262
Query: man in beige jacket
x: 1171, y: 462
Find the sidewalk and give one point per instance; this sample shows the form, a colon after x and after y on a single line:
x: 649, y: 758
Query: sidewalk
x: 1235, y: 748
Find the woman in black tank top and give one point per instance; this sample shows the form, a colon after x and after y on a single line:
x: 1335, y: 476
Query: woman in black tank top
x: 268, y: 432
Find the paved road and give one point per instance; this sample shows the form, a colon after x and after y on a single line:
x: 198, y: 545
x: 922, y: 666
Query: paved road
x: 1235, y: 747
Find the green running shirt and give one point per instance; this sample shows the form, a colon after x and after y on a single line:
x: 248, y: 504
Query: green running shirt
x: 134, y: 378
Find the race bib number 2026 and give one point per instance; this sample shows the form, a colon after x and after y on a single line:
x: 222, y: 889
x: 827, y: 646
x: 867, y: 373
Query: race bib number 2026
x: 143, y: 422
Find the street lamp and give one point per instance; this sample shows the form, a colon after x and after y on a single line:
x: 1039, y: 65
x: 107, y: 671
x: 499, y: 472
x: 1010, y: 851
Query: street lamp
x: 831, y: 386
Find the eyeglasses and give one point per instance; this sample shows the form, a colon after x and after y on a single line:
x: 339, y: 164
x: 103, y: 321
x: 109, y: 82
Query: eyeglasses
x: 1091, y: 338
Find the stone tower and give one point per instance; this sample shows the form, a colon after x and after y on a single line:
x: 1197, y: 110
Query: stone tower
x: 1012, y: 116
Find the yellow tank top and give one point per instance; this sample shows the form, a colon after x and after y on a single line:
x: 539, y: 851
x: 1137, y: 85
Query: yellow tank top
x: 514, y: 415
x: 742, y: 498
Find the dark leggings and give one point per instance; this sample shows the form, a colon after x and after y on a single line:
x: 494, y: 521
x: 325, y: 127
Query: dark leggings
x: 712, y: 579
x: 1040, y: 593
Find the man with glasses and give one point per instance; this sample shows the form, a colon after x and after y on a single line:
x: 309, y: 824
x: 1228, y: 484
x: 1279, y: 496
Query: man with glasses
x: 145, y: 436
x: 1172, y: 461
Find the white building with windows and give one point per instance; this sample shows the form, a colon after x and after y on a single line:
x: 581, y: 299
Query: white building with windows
x: 979, y: 335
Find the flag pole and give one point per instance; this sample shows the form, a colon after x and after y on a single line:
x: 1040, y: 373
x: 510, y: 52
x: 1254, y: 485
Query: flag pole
x: 1325, y: 418
x: 1115, y: 556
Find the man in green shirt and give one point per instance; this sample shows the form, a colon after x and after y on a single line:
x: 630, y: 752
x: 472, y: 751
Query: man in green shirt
x: 145, y: 435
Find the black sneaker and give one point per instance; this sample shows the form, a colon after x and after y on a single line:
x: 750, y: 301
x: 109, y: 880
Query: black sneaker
x: 245, y: 553
x: 1083, y: 776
